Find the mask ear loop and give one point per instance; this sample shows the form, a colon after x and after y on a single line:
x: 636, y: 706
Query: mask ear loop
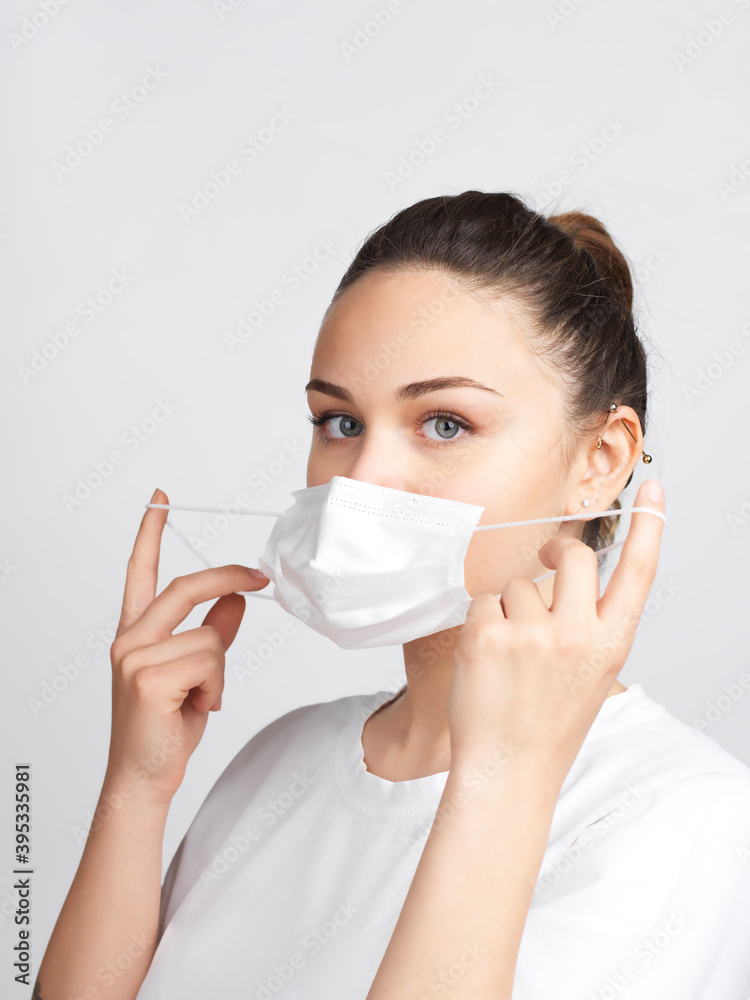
x: 575, y: 517
x: 482, y: 527
x: 213, y: 510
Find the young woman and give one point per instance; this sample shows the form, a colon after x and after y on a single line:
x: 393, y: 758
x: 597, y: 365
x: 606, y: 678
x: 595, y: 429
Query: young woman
x: 514, y: 822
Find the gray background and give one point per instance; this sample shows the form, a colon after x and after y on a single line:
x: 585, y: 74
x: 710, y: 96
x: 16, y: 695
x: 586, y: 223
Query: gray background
x: 670, y: 186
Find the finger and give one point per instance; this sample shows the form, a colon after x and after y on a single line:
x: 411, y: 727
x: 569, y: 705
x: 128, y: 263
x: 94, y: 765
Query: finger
x: 143, y: 565
x: 190, y: 641
x: 521, y: 600
x: 482, y: 606
x: 169, y: 684
x: 226, y: 617
x: 634, y: 574
x: 575, y: 586
x: 180, y: 596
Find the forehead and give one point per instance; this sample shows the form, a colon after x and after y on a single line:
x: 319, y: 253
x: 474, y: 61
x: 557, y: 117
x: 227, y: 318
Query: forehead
x: 415, y: 325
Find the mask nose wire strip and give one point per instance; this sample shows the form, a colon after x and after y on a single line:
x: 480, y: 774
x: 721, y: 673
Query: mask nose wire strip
x: 218, y: 510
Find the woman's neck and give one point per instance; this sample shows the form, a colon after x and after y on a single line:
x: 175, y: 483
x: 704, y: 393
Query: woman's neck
x: 408, y: 736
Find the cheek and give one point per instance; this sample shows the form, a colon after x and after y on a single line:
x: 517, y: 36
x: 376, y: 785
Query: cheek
x: 493, y: 557
x: 319, y: 470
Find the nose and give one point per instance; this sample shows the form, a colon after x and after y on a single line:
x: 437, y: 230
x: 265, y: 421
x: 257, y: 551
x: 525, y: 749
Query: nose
x: 376, y: 462
x: 376, y: 476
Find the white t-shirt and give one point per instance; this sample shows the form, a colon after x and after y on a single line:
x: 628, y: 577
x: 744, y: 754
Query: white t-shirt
x: 290, y: 880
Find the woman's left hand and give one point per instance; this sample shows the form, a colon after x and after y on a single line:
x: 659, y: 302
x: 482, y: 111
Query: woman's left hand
x: 533, y: 678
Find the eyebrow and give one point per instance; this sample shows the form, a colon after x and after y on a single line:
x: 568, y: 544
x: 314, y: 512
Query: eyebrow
x: 411, y: 390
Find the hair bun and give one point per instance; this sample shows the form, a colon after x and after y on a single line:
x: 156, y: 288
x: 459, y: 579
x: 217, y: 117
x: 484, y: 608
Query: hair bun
x: 588, y: 233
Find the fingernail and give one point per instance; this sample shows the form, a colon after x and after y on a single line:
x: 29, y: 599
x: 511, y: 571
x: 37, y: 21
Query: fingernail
x: 258, y: 572
x: 654, y: 490
x: 153, y: 495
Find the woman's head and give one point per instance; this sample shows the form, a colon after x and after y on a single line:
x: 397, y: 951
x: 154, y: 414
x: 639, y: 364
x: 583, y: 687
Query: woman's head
x: 539, y: 311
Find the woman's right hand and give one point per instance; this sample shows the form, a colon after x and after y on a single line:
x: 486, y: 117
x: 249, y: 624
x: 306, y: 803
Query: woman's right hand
x: 164, y: 685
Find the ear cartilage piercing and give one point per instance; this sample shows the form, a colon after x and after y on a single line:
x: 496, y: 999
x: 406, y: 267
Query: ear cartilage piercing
x: 646, y: 458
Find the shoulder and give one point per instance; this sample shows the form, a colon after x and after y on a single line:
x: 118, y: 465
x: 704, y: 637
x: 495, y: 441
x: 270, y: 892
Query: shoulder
x: 674, y: 752
x: 302, y: 738
x: 646, y: 780
x: 638, y: 737
x: 300, y: 727
x: 649, y: 856
x: 294, y: 751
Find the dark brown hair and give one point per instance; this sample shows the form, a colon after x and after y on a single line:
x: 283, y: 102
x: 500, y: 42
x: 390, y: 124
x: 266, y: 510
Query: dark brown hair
x: 563, y: 270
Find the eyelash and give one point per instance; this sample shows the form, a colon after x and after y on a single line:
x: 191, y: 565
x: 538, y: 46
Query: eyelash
x: 319, y: 419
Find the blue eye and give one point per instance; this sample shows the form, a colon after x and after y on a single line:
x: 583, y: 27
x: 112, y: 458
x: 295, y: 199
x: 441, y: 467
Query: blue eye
x: 447, y: 418
x: 346, y: 419
x: 348, y: 423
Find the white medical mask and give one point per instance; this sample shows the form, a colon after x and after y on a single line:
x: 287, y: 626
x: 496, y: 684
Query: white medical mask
x: 368, y: 565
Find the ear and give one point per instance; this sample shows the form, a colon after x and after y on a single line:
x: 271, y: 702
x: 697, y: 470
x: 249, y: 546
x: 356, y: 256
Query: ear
x: 605, y: 470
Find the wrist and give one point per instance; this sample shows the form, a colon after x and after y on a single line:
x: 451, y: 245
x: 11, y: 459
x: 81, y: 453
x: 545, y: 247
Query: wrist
x: 507, y: 761
x: 121, y: 788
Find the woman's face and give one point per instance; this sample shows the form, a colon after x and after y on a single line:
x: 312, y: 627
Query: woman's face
x: 497, y: 446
